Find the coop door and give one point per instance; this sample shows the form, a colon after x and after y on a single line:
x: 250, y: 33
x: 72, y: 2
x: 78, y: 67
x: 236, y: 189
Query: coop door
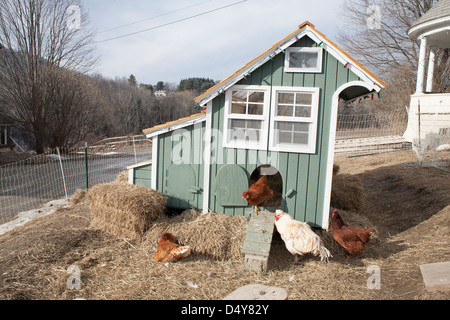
x: 231, y: 182
x: 181, y: 182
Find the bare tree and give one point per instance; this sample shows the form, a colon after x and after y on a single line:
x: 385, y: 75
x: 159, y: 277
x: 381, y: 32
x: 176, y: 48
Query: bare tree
x: 39, y: 39
x: 376, y: 34
x: 76, y: 108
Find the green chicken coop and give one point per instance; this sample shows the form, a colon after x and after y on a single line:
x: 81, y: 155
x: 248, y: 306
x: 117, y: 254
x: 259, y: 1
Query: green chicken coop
x: 275, y: 116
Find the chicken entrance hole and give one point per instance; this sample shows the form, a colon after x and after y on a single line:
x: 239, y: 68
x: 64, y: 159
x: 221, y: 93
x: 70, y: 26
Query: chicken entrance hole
x: 274, y: 180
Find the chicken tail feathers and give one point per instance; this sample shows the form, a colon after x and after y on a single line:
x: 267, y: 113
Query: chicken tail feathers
x: 320, y: 249
x: 181, y: 252
x: 324, y: 254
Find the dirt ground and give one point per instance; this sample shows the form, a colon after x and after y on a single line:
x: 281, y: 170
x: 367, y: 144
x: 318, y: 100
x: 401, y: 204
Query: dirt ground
x: 407, y: 203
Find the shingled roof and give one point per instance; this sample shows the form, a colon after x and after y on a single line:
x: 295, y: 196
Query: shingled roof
x: 435, y: 22
x: 438, y: 11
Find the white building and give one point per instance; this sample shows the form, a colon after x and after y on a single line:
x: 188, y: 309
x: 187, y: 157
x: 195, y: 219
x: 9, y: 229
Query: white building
x: 160, y: 93
x: 429, y: 113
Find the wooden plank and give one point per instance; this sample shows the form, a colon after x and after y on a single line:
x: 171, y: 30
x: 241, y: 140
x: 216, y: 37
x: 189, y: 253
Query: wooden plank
x: 142, y: 174
x: 143, y: 182
x: 267, y: 73
x: 291, y: 183
x: 259, y: 234
x: 264, y: 237
x: 256, y: 248
x: 278, y: 70
x: 302, y: 187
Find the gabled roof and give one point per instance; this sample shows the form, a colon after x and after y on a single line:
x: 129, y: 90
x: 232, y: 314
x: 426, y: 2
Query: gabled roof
x: 305, y: 28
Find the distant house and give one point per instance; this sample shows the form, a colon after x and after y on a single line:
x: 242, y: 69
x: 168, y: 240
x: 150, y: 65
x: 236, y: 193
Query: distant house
x: 429, y: 112
x: 276, y: 116
x: 160, y: 93
x: 5, y: 133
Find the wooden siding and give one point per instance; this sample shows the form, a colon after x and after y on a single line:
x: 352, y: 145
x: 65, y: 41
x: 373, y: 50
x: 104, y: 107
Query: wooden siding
x: 166, y: 144
x: 143, y: 176
x: 303, y: 173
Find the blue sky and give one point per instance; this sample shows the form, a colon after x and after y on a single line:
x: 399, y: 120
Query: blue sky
x: 212, y: 45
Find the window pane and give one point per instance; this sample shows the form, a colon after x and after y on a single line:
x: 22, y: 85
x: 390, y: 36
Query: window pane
x: 253, y: 135
x: 237, y: 124
x: 254, y: 124
x: 301, y: 138
x: 245, y: 130
x: 284, y: 137
x: 256, y: 109
x: 304, y: 112
x: 304, y: 98
x: 238, y: 108
x: 300, y: 127
x: 285, y: 111
x: 239, y: 96
x: 303, y: 60
x: 284, y: 126
x: 237, y: 134
x: 293, y: 132
x: 256, y: 97
x: 286, y: 98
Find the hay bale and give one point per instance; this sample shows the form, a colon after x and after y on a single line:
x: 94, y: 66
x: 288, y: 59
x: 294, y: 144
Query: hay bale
x: 214, y: 235
x: 347, y: 192
x: 122, y: 177
x: 79, y: 196
x: 125, y: 210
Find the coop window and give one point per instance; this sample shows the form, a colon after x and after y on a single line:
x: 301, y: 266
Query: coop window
x: 304, y: 59
x: 294, y: 119
x: 246, y: 117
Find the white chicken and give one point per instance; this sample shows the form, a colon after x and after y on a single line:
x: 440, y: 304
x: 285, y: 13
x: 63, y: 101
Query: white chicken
x: 299, y: 238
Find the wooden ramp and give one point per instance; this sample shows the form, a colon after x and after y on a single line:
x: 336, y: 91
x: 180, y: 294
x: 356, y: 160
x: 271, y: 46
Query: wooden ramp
x: 258, y: 241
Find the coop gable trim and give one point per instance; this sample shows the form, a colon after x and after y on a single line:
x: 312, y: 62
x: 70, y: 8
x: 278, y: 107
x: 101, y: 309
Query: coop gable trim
x: 174, y: 125
x: 305, y: 29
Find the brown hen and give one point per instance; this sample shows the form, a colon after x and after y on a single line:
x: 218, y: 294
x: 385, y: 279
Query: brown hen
x: 169, y: 251
x: 352, y: 239
x: 258, y: 193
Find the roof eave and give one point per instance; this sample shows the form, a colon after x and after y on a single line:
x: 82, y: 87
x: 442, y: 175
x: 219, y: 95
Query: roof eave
x: 422, y: 28
x: 174, y: 125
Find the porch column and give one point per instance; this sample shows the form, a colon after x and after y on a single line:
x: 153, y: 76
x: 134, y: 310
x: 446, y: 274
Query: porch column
x: 430, y: 75
x: 421, y: 68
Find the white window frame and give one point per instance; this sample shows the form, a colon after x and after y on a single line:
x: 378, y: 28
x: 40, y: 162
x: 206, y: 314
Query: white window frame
x: 312, y: 134
x: 264, y: 118
x: 317, y: 69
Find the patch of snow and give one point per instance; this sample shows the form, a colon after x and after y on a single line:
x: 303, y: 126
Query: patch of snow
x: 443, y: 147
x: 27, y: 216
x: 55, y: 156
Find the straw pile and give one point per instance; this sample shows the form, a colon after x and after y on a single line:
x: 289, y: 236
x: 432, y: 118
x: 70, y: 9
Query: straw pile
x: 214, y: 235
x: 125, y: 210
x: 79, y: 196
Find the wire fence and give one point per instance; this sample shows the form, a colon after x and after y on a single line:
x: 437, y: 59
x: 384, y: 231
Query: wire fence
x: 350, y: 126
x: 30, y: 183
x: 371, y: 133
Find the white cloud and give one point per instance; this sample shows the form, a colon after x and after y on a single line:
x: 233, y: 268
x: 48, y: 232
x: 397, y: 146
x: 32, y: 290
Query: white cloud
x: 212, y: 45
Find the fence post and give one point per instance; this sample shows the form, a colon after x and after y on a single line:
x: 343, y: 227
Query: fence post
x: 62, y: 173
x: 86, y: 165
x: 135, y: 155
